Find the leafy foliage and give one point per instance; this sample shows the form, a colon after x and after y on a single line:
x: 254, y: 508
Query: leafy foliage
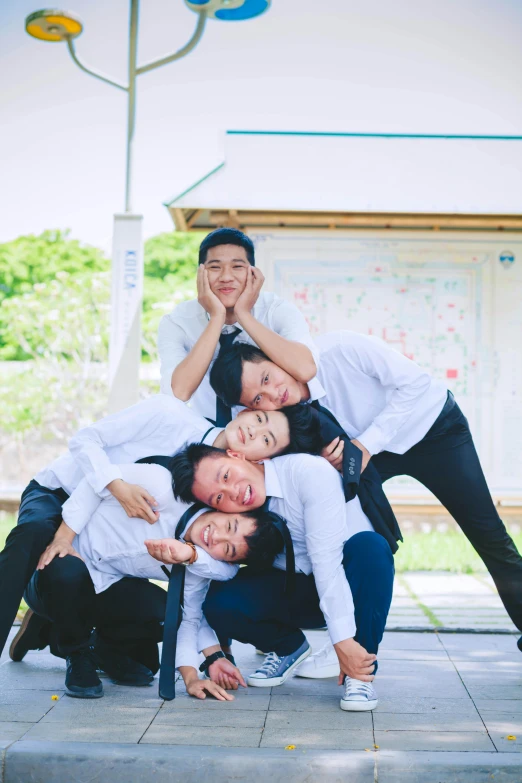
x: 37, y: 259
x: 54, y: 327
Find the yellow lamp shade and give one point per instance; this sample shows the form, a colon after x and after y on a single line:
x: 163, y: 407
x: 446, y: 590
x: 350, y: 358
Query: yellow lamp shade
x: 50, y: 24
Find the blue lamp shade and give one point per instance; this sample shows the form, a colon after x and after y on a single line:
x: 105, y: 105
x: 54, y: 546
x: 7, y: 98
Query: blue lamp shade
x: 230, y: 10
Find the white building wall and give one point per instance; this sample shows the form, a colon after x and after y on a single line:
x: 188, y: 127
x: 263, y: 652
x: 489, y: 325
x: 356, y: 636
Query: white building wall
x: 450, y: 301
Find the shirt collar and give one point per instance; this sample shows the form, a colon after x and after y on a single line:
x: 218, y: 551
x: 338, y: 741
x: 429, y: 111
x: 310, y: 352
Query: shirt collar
x: 193, y: 519
x: 316, y: 389
x: 272, y: 483
x: 211, y: 435
x: 227, y: 327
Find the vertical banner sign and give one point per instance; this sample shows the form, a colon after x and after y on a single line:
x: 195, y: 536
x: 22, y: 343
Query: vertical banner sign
x: 126, y: 304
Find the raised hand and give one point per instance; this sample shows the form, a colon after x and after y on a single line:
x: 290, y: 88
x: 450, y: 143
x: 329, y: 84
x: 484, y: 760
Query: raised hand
x: 136, y: 501
x: 207, y: 298
x: 249, y: 295
x: 168, y: 550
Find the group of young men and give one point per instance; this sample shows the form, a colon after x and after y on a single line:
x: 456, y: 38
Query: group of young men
x: 276, y: 465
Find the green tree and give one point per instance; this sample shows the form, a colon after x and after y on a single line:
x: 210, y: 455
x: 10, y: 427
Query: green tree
x: 173, y: 253
x: 37, y: 259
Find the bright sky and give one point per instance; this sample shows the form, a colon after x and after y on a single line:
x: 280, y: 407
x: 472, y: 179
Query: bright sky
x: 340, y: 65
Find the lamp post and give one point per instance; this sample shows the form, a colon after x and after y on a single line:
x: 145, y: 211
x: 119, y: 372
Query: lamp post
x: 127, y: 249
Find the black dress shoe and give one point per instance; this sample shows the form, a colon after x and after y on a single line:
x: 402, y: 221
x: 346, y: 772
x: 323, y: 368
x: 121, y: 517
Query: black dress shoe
x: 519, y: 644
x: 33, y: 634
x: 122, y: 669
x: 81, y: 679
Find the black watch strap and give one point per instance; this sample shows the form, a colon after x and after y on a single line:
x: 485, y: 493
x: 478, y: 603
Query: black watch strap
x: 211, y: 659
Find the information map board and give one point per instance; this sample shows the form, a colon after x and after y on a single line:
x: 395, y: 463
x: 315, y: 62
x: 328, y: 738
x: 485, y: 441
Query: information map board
x: 452, y: 302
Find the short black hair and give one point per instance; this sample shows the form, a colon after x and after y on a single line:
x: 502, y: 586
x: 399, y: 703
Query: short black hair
x: 305, y: 430
x: 183, y: 466
x: 226, y: 372
x: 266, y: 542
x: 227, y: 236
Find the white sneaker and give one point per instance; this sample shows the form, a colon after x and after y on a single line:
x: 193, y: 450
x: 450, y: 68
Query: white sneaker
x: 323, y: 663
x: 358, y: 696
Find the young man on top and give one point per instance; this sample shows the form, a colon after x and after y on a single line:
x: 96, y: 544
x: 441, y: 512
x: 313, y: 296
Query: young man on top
x: 401, y: 418
x: 230, y: 305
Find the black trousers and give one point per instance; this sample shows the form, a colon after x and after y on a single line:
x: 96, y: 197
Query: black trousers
x: 446, y: 462
x: 128, y: 614
x: 254, y: 608
x: 39, y: 518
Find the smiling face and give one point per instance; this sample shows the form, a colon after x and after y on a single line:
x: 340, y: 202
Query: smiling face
x: 222, y: 535
x: 227, y: 267
x: 229, y: 483
x: 258, y: 434
x: 267, y: 387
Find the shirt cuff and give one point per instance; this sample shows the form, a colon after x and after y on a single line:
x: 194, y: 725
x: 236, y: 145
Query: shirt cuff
x: 206, y: 637
x: 372, y: 439
x: 71, y: 519
x: 186, y: 658
x: 99, y: 480
x: 341, y: 628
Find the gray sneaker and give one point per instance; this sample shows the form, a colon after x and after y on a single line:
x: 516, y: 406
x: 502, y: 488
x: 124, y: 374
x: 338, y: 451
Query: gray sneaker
x: 276, y: 669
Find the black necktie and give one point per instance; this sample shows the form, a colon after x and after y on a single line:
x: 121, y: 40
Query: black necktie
x: 223, y: 412
x: 366, y: 485
x: 173, y: 614
x: 280, y: 524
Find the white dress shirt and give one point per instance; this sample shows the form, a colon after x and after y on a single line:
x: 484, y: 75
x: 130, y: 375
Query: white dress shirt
x: 307, y: 491
x: 111, y: 545
x: 181, y: 329
x: 157, y: 425
x: 378, y: 396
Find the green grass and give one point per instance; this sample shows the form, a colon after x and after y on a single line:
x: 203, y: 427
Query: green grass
x: 434, y: 551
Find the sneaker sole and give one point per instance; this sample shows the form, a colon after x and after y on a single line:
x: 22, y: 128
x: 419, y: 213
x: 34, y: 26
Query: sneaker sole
x: 273, y: 681
x: 359, y: 706
x: 21, y: 631
x: 85, y: 693
x: 321, y: 674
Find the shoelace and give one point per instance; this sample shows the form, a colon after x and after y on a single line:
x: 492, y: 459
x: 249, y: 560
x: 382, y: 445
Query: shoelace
x: 271, y: 662
x: 358, y: 688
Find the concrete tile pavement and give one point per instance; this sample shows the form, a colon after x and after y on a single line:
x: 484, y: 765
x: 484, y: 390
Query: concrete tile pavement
x: 449, y: 707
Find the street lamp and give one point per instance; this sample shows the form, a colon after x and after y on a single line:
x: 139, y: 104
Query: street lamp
x: 127, y: 249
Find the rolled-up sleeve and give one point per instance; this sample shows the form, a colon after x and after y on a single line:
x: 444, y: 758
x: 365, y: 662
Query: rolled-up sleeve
x: 288, y: 321
x: 79, y: 508
x: 320, y: 489
x: 172, y: 350
x: 89, y: 444
x: 187, y: 652
x: 406, y: 380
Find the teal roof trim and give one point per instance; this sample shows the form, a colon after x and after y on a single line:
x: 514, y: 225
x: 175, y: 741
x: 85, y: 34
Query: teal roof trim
x: 480, y: 137
x: 210, y: 173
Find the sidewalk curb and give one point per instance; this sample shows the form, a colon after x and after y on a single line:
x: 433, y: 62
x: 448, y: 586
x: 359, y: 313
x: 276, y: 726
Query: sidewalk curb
x: 63, y: 762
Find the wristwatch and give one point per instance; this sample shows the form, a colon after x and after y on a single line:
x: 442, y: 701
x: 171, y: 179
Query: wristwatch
x: 211, y: 659
x: 194, y: 555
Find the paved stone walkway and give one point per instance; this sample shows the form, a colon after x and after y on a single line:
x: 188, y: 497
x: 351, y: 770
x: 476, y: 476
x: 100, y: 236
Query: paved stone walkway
x: 428, y: 599
x: 450, y: 710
